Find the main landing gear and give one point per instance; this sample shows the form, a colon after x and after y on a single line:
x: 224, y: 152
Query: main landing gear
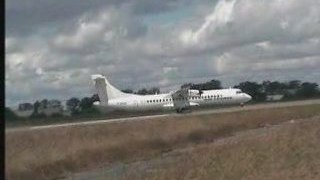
x: 183, y: 110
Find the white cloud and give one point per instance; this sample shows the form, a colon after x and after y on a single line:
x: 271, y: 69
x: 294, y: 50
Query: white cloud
x: 234, y: 40
x: 86, y: 33
x: 222, y: 14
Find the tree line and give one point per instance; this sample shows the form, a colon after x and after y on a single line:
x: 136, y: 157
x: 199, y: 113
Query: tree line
x: 143, y: 91
x: 259, y: 91
x: 290, y: 90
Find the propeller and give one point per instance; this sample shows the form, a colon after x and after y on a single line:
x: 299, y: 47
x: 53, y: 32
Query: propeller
x: 200, y: 92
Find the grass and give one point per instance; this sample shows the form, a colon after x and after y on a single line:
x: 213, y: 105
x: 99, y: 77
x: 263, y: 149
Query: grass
x: 51, y: 153
x: 286, y: 153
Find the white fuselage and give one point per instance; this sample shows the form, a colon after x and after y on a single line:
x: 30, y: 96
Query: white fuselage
x: 165, y: 101
x: 112, y: 98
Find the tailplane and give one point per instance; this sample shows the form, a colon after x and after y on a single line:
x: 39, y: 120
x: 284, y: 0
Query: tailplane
x: 105, y: 90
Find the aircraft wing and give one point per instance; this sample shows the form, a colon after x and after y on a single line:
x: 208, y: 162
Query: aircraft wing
x: 181, y: 98
x: 181, y: 93
x: 185, y: 92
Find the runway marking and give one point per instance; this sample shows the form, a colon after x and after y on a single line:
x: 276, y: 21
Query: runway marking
x: 210, y: 111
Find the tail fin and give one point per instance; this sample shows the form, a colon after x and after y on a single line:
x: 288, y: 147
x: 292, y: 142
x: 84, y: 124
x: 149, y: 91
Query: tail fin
x: 105, y: 90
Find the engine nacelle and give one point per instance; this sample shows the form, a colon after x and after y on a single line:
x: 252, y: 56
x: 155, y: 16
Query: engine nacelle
x: 194, y: 92
x: 96, y: 103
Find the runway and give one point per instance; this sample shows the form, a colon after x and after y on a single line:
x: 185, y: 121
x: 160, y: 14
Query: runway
x: 153, y: 117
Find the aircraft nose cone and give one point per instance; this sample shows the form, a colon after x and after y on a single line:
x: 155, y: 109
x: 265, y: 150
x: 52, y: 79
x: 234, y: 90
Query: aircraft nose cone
x: 248, y: 97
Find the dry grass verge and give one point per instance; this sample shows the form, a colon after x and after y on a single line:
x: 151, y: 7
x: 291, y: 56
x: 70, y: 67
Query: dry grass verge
x: 47, y: 154
x: 288, y: 152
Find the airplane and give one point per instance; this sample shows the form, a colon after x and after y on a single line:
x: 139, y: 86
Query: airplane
x: 111, y: 98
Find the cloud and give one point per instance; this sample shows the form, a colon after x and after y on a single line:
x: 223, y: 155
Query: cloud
x: 222, y: 14
x: 26, y: 17
x: 52, y: 48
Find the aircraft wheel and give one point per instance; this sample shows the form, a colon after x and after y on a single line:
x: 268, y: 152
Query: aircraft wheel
x: 180, y: 110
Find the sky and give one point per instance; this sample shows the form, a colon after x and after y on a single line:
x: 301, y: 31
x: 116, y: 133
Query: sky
x: 52, y: 47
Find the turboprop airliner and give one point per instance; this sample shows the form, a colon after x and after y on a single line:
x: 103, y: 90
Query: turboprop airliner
x: 112, y: 98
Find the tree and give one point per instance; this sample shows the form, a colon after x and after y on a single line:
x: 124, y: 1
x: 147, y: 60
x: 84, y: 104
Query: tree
x: 253, y: 89
x: 154, y: 90
x: 44, y: 103
x: 143, y: 91
x: 10, y: 115
x: 213, y: 84
x: 186, y: 85
x: 295, y: 84
x: 95, y: 98
x: 308, y: 90
x: 128, y: 91
x: 86, y: 104
x: 54, y: 103
x: 73, y: 105
x: 25, y: 106
x: 272, y: 87
x: 36, y: 113
x: 36, y: 106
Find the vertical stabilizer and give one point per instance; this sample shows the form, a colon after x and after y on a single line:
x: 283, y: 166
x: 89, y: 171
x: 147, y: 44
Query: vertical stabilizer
x: 105, y: 90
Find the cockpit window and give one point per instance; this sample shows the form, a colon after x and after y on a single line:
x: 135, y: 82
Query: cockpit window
x: 238, y: 92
